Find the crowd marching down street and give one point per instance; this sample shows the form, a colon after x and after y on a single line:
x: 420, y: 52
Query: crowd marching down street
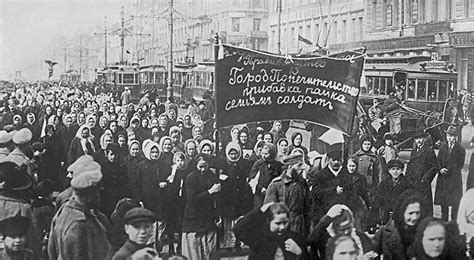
x: 88, y: 175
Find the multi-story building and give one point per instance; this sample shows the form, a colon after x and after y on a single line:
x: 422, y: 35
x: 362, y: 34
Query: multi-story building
x: 323, y: 22
x: 238, y: 22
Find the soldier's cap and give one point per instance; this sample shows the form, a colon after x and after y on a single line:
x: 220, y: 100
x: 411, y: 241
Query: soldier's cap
x: 293, y: 159
x: 80, y: 160
x: 13, y: 178
x: 395, y: 163
x: 5, y: 137
x: 139, y: 214
x: 16, y: 225
x: 37, y: 146
x: 335, y: 154
x: 23, y: 136
x: 86, y: 175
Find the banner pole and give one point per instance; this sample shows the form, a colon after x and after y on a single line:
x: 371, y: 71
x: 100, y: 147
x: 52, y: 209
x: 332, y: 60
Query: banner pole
x: 216, y: 57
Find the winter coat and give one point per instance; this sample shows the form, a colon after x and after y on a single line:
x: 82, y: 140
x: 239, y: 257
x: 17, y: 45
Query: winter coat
x: 371, y: 167
x: 253, y: 230
x: 294, y: 193
x: 127, y: 250
x: 422, y: 166
x: 149, y: 176
x: 131, y: 164
x: 66, y: 135
x: 235, y: 199
x: 77, y: 233
x: 324, y: 189
x: 387, y: 241
x: 18, y: 157
x: 386, y: 196
x: 76, y: 151
x: 449, y: 185
x: 470, y: 175
x: 268, y: 170
x: 199, y: 213
x: 115, y: 186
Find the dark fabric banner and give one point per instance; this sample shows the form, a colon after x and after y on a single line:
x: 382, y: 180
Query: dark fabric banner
x: 254, y: 86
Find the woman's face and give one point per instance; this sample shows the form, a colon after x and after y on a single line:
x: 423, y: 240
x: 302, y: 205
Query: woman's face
x: 346, y: 250
x: 279, y: 223
x: 113, y: 127
x: 134, y: 149
x: 82, y: 118
x: 191, y: 149
x: 107, y: 140
x: 351, y: 166
x: 278, y: 125
x: 283, y: 147
x: 265, y: 153
x: 412, y: 214
x: 206, y: 150
x: 187, y: 120
x: 121, y: 141
x: 433, y: 241
x: 91, y: 122
x: 85, y: 133
x: 297, y: 141
x: 59, y: 112
x: 145, y: 123
x: 267, y: 138
x: 167, y: 145
x: 162, y: 121
x: 366, y: 145
x: 123, y: 121
x: 111, y: 109
x: 154, y: 122
x: 202, y: 165
x: 179, y: 163
x: 49, y: 110
x: 154, y: 153
x: 243, y: 137
x: 235, y: 134
x: 17, y: 120
x: 259, y: 137
x: 131, y: 135
x: 171, y: 114
x: 197, y: 131
x: 233, y: 154
x: 152, y: 113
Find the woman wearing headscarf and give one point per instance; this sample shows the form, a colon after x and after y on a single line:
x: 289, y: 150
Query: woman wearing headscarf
x: 175, y: 134
x: 81, y: 144
x: 67, y: 133
x: 166, y: 157
x: 244, y: 140
x: 55, y: 121
x: 143, y: 132
x: 190, y: 152
x: 257, y: 149
x: 163, y: 127
x: 150, y: 176
x: 282, y: 149
x: 123, y: 121
x: 297, y: 141
x: 235, y: 198
x: 187, y: 127
x: 131, y: 162
x: 101, y: 154
x: 44, y: 116
x: 33, y: 125
x: 81, y: 118
x: 17, y: 122
x: 465, y: 220
x: 172, y: 115
x: 54, y: 155
x: 276, y: 130
x: 263, y: 172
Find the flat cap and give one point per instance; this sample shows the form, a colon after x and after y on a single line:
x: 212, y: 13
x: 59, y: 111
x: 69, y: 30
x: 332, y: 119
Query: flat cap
x: 293, y: 159
x: 23, y: 136
x: 139, y: 214
x: 395, y: 163
x: 335, y: 154
x: 451, y: 130
x: 86, y: 175
x: 5, y: 137
x: 17, y: 225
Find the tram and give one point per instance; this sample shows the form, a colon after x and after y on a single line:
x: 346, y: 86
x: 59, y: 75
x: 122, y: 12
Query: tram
x: 153, y: 78
x: 116, y: 77
x: 70, y: 77
x: 426, y: 83
x: 202, y: 79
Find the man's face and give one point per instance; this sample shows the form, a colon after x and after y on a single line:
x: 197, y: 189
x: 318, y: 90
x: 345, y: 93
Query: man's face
x: 366, y: 145
x: 15, y: 243
x: 433, y: 241
x: 30, y: 118
x: 68, y: 122
x: 139, y: 232
x: 450, y: 138
x: 419, y: 141
x: 395, y: 172
x: 335, y: 164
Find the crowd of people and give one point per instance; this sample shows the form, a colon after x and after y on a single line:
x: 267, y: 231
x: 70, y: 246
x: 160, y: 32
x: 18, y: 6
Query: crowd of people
x: 91, y: 176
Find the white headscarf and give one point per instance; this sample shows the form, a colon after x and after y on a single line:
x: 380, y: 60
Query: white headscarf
x: 84, y: 140
x: 466, y: 206
x: 147, y: 146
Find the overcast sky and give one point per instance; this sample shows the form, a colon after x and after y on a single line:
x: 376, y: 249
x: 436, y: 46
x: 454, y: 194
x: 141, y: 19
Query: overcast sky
x: 28, y: 27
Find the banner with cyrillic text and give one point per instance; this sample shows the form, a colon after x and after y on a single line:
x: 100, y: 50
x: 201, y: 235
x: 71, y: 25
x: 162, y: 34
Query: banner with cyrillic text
x: 254, y: 86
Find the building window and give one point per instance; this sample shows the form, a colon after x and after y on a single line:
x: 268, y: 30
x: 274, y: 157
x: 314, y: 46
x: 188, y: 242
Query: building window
x: 235, y: 24
x: 414, y: 11
x: 257, y: 3
x: 256, y: 24
x: 343, y: 31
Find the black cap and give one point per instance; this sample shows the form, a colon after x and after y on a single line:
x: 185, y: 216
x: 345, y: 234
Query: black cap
x: 395, y: 163
x: 37, y: 146
x: 420, y: 134
x: 335, y: 154
x: 17, y: 225
x: 138, y: 214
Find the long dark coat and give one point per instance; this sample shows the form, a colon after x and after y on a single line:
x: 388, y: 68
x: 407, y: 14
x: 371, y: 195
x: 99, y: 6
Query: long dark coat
x: 131, y: 164
x: 386, y: 196
x: 269, y: 170
x: 421, y: 170
x: 388, y: 242
x: 115, y: 186
x: 149, y: 178
x: 324, y: 189
x: 66, y: 135
x: 449, y: 186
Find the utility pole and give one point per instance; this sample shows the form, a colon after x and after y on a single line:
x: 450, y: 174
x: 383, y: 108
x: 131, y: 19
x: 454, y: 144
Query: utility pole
x: 80, y: 57
x: 122, y: 35
x: 169, y: 90
x: 105, y: 33
x: 65, y: 59
x: 279, y: 27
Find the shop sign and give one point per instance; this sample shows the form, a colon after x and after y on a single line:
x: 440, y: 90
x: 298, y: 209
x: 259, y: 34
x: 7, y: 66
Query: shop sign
x: 432, y: 28
x: 391, y: 44
x: 464, y: 39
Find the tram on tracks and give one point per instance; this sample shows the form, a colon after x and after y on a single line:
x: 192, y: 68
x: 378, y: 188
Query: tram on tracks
x: 70, y: 77
x: 427, y: 87
x: 115, y: 78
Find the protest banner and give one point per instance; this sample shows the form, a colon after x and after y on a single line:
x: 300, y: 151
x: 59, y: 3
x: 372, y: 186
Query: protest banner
x: 254, y: 86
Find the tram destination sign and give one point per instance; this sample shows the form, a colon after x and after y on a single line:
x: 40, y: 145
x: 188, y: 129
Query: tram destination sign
x: 254, y: 86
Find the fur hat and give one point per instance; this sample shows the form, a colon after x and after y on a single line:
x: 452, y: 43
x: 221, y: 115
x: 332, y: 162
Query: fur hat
x: 5, y: 137
x: 86, y: 175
